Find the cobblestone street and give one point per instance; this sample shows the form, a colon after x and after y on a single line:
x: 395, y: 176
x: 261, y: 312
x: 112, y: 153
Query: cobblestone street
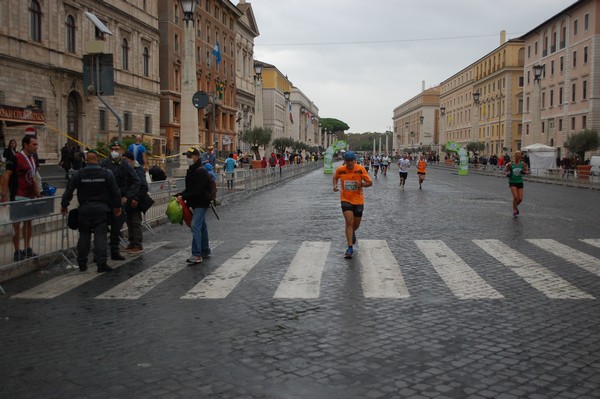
x: 447, y: 296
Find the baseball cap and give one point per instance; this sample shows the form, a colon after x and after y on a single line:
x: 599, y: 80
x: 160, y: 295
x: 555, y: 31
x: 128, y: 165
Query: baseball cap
x: 350, y: 155
x: 192, y: 151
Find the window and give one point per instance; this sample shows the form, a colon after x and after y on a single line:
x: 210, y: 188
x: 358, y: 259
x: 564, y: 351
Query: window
x: 148, y: 124
x: 584, y: 90
x: 562, y: 63
x: 573, y: 92
x: 560, y: 125
x: 586, y: 22
x: 146, y: 61
x: 176, y: 43
x: 543, y: 127
x: 574, y: 59
x: 585, y: 55
x: 535, y: 48
x: 551, y: 98
x: 35, y: 21
x: 543, y: 100
x: 560, y: 96
x: 575, y: 28
x: 520, y: 81
x: 102, y: 120
x: 70, y: 34
x: 527, y: 104
x: 573, y: 123
x: 125, y: 54
x: 127, y: 121
x: 584, y: 122
x: 176, y: 14
x: 563, y: 35
x: 551, y: 67
x: 529, y: 51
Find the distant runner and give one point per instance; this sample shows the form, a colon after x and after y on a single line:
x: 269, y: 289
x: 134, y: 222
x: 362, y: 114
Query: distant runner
x: 403, y: 165
x: 515, y: 171
x: 354, y: 177
x: 421, y: 166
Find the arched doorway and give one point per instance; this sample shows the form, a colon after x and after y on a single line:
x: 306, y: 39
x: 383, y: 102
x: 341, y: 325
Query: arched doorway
x: 73, y: 114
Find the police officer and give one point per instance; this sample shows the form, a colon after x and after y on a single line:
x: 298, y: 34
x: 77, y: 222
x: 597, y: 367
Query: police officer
x: 129, y: 186
x: 98, y: 194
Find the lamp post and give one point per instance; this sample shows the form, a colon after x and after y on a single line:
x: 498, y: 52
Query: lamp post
x: 300, y: 127
x: 286, y: 96
x: 537, y: 117
x: 475, y: 128
x: 406, y: 127
x: 258, y: 100
x: 189, y: 114
x: 419, y: 128
x: 443, y: 126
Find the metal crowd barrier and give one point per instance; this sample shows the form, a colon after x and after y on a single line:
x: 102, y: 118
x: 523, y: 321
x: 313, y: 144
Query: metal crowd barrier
x: 53, y: 241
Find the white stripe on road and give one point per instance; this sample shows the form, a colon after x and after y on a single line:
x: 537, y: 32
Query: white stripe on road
x: 540, y: 278
x: 59, y: 285
x: 594, y: 242
x: 303, y: 277
x: 143, y: 282
x: 227, y: 276
x: 463, y: 281
x: 381, y: 276
x: 580, y: 259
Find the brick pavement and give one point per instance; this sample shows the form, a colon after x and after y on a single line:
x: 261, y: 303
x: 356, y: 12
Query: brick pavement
x: 340, y: 345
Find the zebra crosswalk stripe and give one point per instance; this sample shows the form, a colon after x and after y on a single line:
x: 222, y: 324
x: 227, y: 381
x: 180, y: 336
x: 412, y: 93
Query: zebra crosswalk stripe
x: 145, y: 281
x: 540, y: 278
x: 381, y: 275
x: 62, y: 284
x: 580, y: 259
x: 222, y: 281
x: 303, y: 277
x: 463, y: 281
x: 594, y: 242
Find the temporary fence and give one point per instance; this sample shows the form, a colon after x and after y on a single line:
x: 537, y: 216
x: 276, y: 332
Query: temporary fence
x: 53, y: 242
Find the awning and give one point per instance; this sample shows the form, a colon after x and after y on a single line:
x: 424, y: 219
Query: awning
x: 21, y: 116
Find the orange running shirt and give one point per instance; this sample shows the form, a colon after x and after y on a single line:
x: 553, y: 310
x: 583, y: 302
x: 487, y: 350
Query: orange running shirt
x: 421, y: 165
x: 351, y: 183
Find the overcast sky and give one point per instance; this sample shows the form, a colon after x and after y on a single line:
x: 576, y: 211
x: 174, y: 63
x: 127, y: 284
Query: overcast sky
x: 357, y: 60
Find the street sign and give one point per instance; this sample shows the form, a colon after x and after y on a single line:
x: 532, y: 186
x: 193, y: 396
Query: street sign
x: 200, y: 100
x: 92, y: 64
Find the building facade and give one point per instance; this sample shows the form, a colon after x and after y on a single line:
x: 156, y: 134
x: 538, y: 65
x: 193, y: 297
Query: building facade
x: 42, y: 46
x: 246, y: 32
x: 276, y: 110
x: 304, y: 119
x: 416, y: 123
x: 215, y: 23
x: 566, y: 97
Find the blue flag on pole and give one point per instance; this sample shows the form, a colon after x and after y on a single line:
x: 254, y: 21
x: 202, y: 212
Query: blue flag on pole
x: 216, y: 51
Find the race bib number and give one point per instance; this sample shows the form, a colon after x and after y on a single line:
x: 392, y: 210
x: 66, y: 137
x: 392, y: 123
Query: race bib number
x: 350, y: 185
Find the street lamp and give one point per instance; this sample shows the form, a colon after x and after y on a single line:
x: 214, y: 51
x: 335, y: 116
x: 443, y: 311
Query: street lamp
x: 189, y: 86
x: 443, y: 125
x: 537, y: 72
x: 475, y: 128
x: 406, y: 127
x: 419, y: 127
x: 537, y: 117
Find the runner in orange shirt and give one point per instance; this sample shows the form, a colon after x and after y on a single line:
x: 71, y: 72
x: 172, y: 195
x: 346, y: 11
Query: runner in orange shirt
x: 353, y: 177
x: 421, y: 166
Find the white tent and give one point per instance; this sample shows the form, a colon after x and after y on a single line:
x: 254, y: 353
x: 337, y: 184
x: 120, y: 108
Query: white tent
x: 541, y: 157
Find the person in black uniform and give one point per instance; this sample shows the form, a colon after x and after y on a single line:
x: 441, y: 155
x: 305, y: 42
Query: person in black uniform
x: 97, y: 194
x: 129, y: 186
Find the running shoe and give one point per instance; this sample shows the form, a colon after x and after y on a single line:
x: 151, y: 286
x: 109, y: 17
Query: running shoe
x: 194, y: 260
x: 348, y: 254
x: 515, y: 213
x: 353, y: 238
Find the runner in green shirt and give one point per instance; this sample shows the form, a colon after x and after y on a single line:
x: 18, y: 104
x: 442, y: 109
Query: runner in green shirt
x: 515, y: 171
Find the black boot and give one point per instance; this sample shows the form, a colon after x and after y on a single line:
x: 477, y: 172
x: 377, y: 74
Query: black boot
x: 117, y: 256
x: 104, y: 268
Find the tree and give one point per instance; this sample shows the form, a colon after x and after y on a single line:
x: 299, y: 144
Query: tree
x: 333, y: 125
x: 257, y: 137
x: 580, y: 143
x: 282, y: 143
x: 475, y: 146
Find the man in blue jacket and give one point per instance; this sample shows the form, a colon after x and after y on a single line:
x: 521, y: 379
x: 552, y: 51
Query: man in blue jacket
x: 197, y: 196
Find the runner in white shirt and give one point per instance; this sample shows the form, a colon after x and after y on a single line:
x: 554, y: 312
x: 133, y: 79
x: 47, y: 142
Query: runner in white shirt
x: 403, y: 165
x: 376, y: 160
x: 385, y: 161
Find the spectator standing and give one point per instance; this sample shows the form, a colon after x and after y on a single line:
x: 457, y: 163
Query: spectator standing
x: 281, y: 162
x: 21, y: 179
x: 230, y: 165
x: 209, y: 156
x: 97, y: 194
x: 66, y: 159
x: 133, y: 213
x: 139, y: 152
x: 197, y: 195
x: 129, y: 186
x: 263, y: 163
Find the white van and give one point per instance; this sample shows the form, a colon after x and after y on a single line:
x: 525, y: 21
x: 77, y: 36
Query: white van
x: 595, y: 162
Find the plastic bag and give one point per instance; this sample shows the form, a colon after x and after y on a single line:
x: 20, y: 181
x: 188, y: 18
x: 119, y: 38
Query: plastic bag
x: 187, y: 213
x: 174, y: 211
